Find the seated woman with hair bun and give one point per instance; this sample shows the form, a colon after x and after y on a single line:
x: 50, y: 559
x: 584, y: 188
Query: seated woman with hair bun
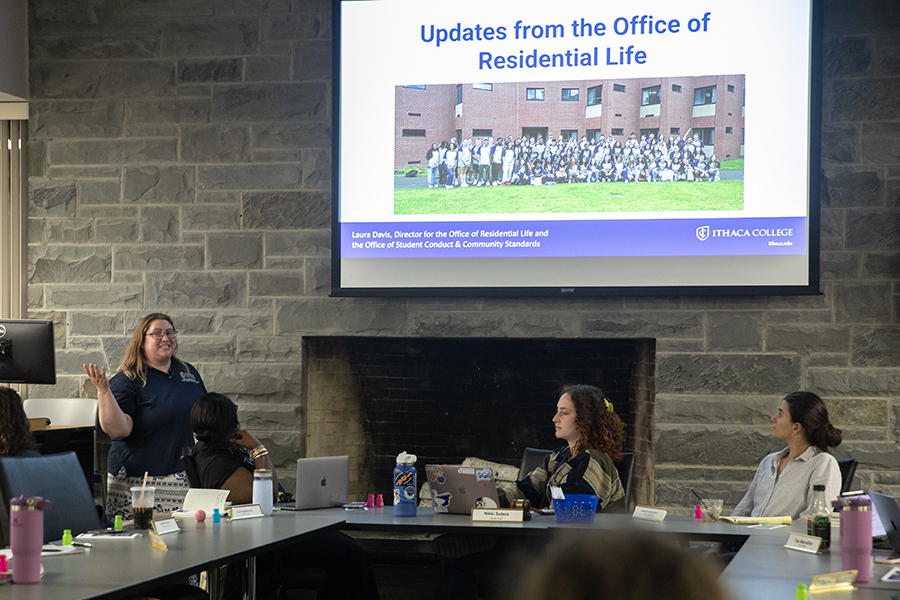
x: 783, y: 484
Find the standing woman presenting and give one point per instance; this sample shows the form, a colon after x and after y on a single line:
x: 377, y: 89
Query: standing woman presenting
x: 145, y: 408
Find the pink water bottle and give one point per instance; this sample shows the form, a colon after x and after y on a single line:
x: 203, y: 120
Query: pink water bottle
x: 856, y: 535
x: 26, y: 537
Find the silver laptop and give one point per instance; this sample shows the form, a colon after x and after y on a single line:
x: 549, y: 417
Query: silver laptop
x: 887, y: 512
x: 457, y: 489
x: 321, y: 482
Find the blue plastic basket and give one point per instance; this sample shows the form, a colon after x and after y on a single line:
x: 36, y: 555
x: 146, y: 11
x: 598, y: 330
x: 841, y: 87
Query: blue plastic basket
x: 576, y: 508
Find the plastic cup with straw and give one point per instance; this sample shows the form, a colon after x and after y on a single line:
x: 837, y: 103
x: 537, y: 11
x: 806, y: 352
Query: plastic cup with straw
x: 142, y: 503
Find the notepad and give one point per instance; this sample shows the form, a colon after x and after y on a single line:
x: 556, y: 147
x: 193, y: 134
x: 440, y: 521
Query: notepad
x: 118, y: 535
x: 202, y: 499
x: 785, y: 520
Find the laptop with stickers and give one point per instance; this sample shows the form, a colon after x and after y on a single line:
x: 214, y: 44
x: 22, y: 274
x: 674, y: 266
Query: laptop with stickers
x: 456, y: 489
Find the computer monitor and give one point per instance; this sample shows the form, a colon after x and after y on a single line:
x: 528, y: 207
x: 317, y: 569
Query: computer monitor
x: 27, y: 351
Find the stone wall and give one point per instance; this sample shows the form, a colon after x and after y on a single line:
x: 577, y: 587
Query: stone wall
x: 180, y: 161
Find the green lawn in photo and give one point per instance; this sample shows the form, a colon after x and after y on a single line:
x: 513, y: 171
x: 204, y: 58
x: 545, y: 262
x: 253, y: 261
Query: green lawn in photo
x: 573, y: 198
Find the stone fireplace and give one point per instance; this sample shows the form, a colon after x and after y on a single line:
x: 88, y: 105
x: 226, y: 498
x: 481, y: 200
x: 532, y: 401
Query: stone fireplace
x: 445, y: 399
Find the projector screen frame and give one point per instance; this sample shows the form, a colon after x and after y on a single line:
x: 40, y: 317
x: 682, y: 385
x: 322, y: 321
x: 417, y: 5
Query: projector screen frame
x: 813, y: 169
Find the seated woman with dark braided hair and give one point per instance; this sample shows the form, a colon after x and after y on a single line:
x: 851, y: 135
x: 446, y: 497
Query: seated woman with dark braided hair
x: 594, y: 437
x: 226, y: 457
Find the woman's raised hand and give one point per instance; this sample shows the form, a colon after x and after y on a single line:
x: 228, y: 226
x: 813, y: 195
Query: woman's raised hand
x: 98, y: 376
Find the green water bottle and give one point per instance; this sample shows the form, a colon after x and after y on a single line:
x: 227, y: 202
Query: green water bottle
x: 818, y: 521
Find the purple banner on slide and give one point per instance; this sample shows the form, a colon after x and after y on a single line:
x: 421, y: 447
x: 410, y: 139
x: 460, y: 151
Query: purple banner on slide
x: 773, y: 236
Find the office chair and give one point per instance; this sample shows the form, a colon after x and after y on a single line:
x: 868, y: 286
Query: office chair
x: 190, y: 467
x: 71, y: 412
x: 532, y: 459
x: 625, y: 467
x: 56, y: 477
x: 848, y: 470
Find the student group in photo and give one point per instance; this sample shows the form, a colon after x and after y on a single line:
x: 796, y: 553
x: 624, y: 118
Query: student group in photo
x: 532, y: 161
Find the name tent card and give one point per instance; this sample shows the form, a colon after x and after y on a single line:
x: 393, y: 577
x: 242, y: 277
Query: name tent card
x: 164, y: 526
x: 832, y: 582
x: 803, y: 543
x: 649, y: 513
x: 245, y: 511
x: 157, y: 542
x: 498, y: 515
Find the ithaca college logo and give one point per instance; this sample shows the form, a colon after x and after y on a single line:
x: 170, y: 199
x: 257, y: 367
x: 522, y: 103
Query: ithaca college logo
x: 703, y: 233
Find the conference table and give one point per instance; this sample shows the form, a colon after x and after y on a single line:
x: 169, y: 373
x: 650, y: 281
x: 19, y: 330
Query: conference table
x: 762, y: 569
x: 117, y: 568
x: 111, y: 569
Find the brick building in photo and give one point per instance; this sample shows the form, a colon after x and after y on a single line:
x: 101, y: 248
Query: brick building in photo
x: 710, y: 106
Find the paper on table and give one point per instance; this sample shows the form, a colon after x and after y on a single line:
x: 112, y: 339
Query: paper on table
x: 49, y: 550
x: 202, y: 499
x: 755, y: 520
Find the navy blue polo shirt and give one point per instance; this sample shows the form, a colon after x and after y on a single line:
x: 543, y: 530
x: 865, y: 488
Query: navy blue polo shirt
x: 161, y: 412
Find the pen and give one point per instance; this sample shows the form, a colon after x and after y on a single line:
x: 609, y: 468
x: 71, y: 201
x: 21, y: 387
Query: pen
x: 83, y: 544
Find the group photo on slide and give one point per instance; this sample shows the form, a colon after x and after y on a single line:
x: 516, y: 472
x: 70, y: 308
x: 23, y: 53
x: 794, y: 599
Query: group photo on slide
x: 544, y: 138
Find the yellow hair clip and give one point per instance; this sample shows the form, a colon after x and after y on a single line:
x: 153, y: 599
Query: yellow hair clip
x: 609, y: 405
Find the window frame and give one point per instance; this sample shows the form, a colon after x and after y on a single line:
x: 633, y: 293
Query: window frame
x: 535, y: 92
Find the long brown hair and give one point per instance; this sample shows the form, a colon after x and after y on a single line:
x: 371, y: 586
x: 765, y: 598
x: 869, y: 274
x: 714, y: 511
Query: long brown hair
x: 134, y: 364
x: 15, y: 434
x: 600, y: 428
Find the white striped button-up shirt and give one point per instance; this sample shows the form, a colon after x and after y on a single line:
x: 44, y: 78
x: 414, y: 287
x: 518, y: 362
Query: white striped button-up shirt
x: 791, y: 493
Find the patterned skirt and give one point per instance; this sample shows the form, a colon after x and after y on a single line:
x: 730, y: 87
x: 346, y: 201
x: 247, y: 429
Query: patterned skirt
x: 169, y: 494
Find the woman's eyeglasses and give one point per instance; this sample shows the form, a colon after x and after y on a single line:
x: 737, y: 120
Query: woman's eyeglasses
x: 171, y: 334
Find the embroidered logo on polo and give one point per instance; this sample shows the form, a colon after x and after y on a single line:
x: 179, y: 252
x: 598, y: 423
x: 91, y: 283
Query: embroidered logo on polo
x: 188, y: 378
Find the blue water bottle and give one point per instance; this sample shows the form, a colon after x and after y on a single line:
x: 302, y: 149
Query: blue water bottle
x: 405, y: 486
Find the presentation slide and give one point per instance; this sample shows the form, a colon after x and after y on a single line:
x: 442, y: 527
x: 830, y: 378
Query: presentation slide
x: 573, y: 145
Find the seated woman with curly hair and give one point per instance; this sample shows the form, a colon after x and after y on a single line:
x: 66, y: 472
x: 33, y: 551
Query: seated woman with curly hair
x: 15, y: 435
x: 594, y: 437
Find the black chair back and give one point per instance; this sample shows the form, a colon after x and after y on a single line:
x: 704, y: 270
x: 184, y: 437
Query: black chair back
x: 56, y: 477
x: 848, y: 470
x: 532, y: 459
x: 190, y: 467
x: 625, y: 467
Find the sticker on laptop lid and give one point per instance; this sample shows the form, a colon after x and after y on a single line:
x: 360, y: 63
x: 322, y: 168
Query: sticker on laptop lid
x: 441, y: 502
x: 485, y: 502
x: 466, y: 470
x: 484, y: 474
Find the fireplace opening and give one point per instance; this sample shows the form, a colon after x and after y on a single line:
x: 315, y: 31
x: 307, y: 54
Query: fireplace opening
x: 445, y: 399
